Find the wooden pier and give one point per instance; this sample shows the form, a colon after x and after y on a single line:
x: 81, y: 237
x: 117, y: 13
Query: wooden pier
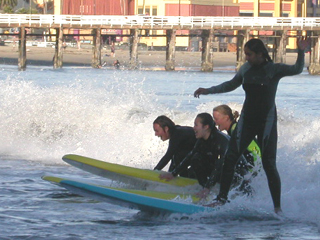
x: 244, y: 27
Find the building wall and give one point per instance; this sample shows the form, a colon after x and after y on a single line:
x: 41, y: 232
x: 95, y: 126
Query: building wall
x: 200, y: 10
x: 98, y: 7
x: 272, y: 8
x: 57, y: 7
x: 185, y: 8
x: 268, y: 8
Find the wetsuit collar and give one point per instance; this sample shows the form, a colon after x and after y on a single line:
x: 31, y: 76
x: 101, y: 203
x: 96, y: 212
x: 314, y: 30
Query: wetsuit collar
x: 232, y: 127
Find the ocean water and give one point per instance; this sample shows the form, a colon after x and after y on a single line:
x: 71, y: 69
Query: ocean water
x: 107, y: 114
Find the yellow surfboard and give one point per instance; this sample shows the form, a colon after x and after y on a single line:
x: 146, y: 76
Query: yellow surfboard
x: 143, y: 179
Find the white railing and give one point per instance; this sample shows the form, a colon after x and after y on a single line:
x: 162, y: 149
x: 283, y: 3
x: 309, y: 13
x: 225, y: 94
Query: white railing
x: 157, y: 22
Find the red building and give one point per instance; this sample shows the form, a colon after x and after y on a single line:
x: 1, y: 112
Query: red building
x: 201, y: 10
x: 127, y: 7
x: 155, y: 8
x: 98, y: 7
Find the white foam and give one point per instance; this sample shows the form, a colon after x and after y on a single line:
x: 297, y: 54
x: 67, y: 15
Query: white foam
x: 108, y: 115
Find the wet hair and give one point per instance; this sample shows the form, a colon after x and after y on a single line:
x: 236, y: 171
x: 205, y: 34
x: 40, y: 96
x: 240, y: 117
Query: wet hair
x: 226, y: 110
x: 257, y: 46
x: 206, y: 119
x: 164, y: 121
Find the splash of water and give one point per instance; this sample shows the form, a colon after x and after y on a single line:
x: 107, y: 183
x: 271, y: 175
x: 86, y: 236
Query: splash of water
x: 111, y: 119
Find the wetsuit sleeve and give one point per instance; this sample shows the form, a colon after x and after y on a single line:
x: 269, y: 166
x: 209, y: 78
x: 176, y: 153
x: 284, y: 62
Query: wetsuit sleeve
x: 172, y: 148
x: 216, y: 173
x: 186, y: 161
x: 290, y: 70
x: 227, y: 86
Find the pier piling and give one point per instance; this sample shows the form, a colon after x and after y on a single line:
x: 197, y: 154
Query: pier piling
x: 134, y: 40
x: 22, y: 50
x: 279, y: 53
x: 314, y: 67
x: 243, y: 37
x: 207, y: 54
x: 58, y: 53
x: 170, y: 50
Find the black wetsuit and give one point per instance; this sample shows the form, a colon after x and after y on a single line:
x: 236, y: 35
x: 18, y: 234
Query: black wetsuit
x: 206, y: 158
x: 252, y: 152
x: 258, y: 118
x: 181, y: 142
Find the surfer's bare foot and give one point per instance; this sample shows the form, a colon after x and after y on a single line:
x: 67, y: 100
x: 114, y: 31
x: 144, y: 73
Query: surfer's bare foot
x: 278, y: 210
x: 203, y: 193
x: 217, y: 202
x: 214, y: 204
x: 166, y: 176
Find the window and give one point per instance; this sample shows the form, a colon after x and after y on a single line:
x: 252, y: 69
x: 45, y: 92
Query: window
x: 154, y: 11
x: 263, y: 14
x: 245, y: 14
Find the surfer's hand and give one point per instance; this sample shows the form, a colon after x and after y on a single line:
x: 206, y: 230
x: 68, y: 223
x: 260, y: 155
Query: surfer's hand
x: 200, y: 91
x: 304, y: 43
x: 203, y: 193
x: 166, y: 176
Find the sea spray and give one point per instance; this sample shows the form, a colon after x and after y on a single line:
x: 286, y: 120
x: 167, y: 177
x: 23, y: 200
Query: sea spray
x: 108, y: 115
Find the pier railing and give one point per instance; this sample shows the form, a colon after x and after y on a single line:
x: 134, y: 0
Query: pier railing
x: 157, y: 22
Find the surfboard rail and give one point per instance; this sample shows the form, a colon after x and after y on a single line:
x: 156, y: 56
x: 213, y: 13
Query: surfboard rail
x: 136, y: 199
x: 126, y: 174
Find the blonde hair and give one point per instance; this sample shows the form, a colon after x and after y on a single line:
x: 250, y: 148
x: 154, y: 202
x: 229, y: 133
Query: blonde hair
x: 226, y: 110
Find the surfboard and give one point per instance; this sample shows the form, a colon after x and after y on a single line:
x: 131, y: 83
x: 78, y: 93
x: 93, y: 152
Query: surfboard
x: 143, y: 179
x: 149, y: 201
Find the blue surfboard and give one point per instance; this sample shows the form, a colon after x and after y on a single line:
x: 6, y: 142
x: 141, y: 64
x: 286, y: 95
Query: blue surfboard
x: 134, y: 199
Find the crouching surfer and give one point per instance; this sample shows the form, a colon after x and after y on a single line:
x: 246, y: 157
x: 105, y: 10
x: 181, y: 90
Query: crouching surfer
x: 207, y: 156
x: 226, y: 120
x: 181, y: 142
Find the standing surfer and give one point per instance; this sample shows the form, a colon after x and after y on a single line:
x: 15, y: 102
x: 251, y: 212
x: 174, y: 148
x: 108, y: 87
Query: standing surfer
x: 259, y: 77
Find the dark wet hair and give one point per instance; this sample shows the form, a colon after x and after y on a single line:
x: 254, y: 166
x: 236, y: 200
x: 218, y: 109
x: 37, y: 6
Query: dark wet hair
x: 206, y: 119
x: 257, y: 46
x: 226, y: 110
x: 164, y: 121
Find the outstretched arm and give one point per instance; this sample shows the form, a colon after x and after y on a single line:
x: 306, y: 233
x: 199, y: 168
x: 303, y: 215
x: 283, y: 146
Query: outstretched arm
x: 303, y: 44
x: 221, y: 88
x: 199, y: 91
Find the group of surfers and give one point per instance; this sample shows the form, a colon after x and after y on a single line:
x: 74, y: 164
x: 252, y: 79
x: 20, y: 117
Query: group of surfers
x: 207, y: 154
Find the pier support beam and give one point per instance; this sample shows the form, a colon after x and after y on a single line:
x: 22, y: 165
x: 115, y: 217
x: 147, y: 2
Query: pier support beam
x: 279, y: 53
x: 58, y: 52
x: 22, y: 50
x: 207, y: 53
x: 96, y: 48
x: 134, y: 40
x: 170, y: 50
x: 314, y: 67
x: 243, y: 37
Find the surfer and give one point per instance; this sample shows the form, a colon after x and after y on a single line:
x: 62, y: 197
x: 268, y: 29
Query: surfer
x: 181, y: 141
x: 259, y: 77
x: 116, y: 64
x: 226, y: 120
x: 207, y: 156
